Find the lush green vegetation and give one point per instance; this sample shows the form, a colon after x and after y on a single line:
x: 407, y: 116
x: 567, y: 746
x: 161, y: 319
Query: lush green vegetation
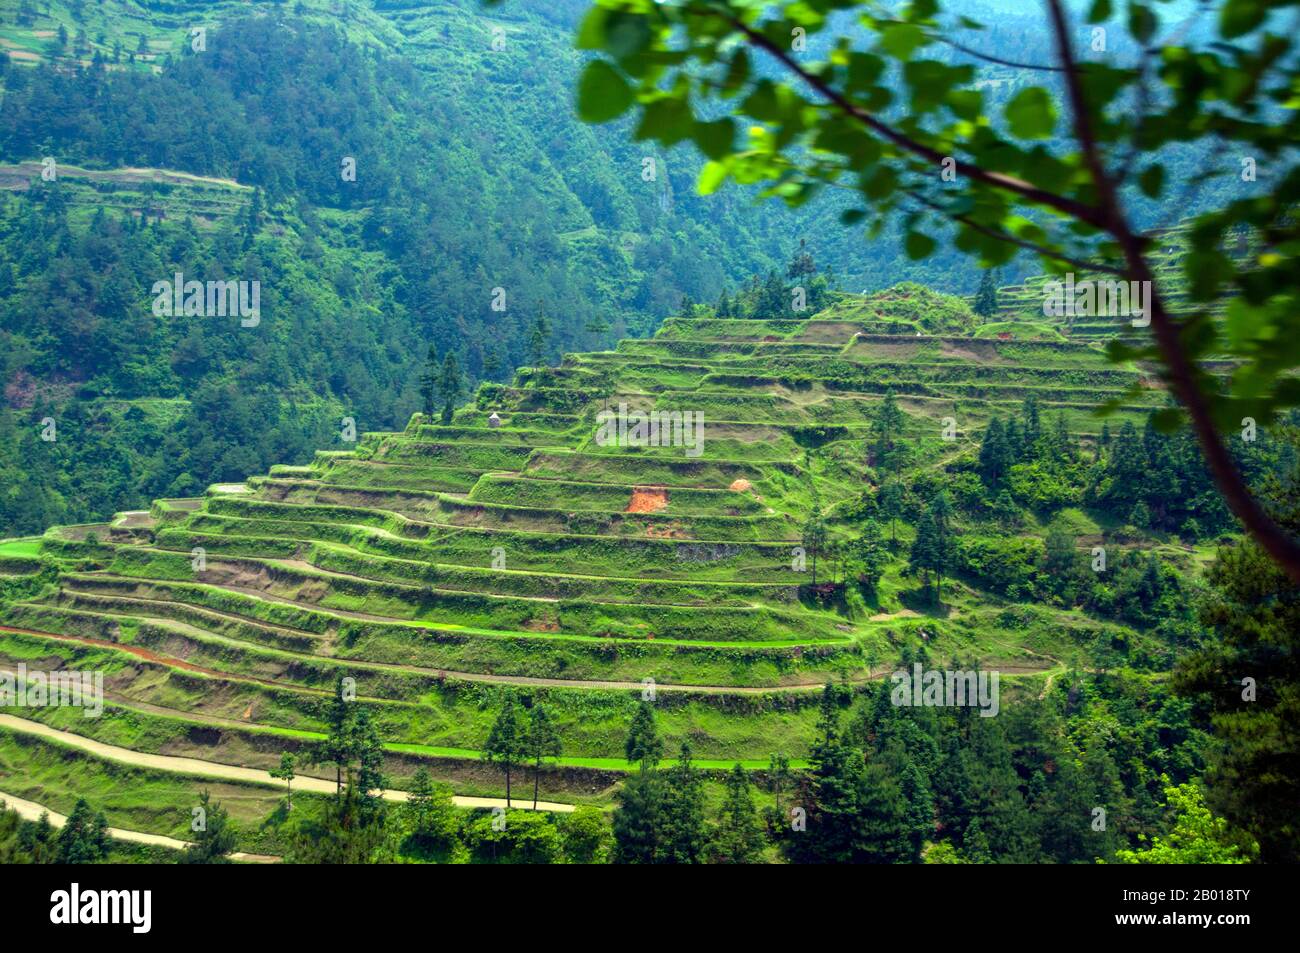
x: 569, y: 576
x: 393, y: 560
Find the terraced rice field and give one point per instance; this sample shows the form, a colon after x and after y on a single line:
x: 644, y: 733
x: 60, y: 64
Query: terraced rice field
x: 444, y: 565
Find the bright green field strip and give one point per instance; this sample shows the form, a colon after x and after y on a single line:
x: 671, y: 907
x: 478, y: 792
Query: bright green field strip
x: 29, y: 547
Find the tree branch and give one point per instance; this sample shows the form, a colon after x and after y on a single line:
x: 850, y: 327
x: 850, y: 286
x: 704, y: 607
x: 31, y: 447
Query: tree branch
x: 1015, y: 240
x: 990, y: 58
x: 1031, y: 193
x: 1180, y: 370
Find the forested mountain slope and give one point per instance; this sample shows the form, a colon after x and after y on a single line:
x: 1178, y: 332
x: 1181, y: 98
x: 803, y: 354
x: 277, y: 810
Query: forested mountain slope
x: 869, y: 488
x: 475, y: 188
x: 471, y: 175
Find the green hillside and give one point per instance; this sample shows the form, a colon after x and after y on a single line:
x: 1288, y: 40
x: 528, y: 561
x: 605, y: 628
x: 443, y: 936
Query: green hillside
x: 444, y: 567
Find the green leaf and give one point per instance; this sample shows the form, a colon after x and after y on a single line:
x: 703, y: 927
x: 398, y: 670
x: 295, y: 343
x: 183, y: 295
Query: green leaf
x: 711, y: 177
x: 715, y: 139
x: 667, y: 119
x: 1141, y: 22
x: 1239, y: 17
x: 1152, y: 181
x: 901, y: 40
x: 591, y: 32
x: 602, y: 93
x: 1031, y: 114
x: 1167, y: 419
x: 1100, y: 11
x: 918, y: 245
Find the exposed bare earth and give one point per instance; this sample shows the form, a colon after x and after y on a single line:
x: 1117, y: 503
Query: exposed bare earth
x: 647, y: 499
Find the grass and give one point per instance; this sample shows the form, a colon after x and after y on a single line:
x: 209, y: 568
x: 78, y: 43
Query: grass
x: 444, y: 566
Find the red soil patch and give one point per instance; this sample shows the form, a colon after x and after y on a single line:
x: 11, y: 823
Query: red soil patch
x: 121, y: 647
x: 741, y: 486
x: 647, y: 499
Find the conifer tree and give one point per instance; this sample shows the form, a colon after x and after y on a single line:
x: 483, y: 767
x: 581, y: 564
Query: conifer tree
x: 214, y: 841
x: 506, y: 745
x: 986, y: 298
x: 737, y: 838
x: 643, y: 746
x: 429, y: 380
x: 683, y: 837
x: 450, y: 385
x: 543, y: 742
x: 84, y: 838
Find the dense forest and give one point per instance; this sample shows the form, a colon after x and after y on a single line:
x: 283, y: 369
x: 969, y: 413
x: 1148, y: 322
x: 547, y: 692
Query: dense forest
x: 435, y: 196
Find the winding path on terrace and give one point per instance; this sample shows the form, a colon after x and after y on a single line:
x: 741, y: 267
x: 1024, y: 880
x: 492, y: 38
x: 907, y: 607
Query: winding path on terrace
x: 229, y: 772
x: 522, y: 680
x: 31, y: 811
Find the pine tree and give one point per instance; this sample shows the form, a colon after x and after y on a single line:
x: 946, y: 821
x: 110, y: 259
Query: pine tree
x: 994, y: 457
x: 886, y: 428
x: 214, y: 841
x: 1033, y: 425
x: 506, y: 745
x: 814, y: 538
x: 892, y: 502
x: 429, y: 383
x: 773, y: 301
x: 338, y: 747
x: 1064, y: 442
x: 84, y: 838
x: 737, y: 837
x: 944, y: 554
x: 986, y: 298
x: 779, y: 772
x: 920, y: 807
x: 683, y: 836
x: 637, y: 821
x: 537, y: 340
x: 1061, y: 564
x: 369, y: 748
x: 869, y: 556
x: 976, y: 845
x: 431, y: 813
x: 543, y: 742
x: 923, y: 553
x: 449, y: 386
x: 643, y: 746
x: 286, y: 774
